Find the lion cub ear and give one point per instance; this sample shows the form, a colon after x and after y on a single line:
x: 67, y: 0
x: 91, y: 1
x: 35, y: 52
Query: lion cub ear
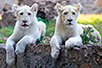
x: 34, y: 8
x: 79, y: 7
x: 15, y: 7
x: 59, y: 7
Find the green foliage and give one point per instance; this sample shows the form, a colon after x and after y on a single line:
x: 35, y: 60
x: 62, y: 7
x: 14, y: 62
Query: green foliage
x: 41, y: 19
x: 86, y: 36
x: 47, y: 42
x: 74, y: 5
x: 50, y: 28
x: 2, y: 41
x: 6, y: 31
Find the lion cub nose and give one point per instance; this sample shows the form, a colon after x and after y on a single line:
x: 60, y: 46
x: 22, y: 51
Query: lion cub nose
x: 24, y: 21
x: 69, y: 20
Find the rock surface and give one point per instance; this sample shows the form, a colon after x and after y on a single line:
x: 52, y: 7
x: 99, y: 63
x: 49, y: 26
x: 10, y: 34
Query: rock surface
x: 38, y: 56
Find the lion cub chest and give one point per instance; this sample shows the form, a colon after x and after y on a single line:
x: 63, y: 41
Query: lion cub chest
x: 67, y: 33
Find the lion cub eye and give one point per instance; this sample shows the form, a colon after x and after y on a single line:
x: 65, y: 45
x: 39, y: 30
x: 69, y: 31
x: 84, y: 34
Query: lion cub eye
x: 73, y: 13
x: 65, y: 13
x: 29, y: 13
x: 21, y: 13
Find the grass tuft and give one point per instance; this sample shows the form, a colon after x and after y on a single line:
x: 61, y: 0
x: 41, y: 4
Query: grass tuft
x: 6, y: 31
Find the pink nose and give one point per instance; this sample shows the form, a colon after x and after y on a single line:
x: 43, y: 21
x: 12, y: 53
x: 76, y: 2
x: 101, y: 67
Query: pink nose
x: 24, y: 21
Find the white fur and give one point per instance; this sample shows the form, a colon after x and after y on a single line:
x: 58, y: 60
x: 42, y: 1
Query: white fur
x: 42, y: 28
x: 65, y: 32
x: 24, y: 35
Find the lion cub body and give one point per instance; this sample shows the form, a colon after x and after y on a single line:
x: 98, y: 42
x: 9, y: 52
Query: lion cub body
x: 66, y: 29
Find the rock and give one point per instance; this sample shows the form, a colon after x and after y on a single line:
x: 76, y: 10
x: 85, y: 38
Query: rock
x: 2, y: 58
x: 8, y: 19
x: 46, y: 7
x: 38, y: 56
x: 89, y: 6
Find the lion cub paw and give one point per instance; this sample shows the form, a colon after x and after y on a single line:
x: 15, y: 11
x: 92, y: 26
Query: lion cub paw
x: 19, y: 51
x: 69, y: 44
x: 55, y: 53
x: 10, y: 60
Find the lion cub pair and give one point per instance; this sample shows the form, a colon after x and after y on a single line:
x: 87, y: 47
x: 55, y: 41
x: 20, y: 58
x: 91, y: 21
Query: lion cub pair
x: 28, y: 30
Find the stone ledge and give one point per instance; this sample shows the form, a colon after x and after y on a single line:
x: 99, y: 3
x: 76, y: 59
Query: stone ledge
x: 38, y: 56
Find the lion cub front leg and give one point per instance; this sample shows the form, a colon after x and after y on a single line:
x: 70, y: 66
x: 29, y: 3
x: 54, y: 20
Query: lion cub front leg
x: 72, y: 41
x: 10, y: 55
x: 55, y: 46
x: 21, y: 45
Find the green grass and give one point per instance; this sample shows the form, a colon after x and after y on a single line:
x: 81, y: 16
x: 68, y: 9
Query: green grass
x: 6, y: 31
x: 44, y: 20
x: 2, y: 41
x: 50, y: 28
x: 98, y: 26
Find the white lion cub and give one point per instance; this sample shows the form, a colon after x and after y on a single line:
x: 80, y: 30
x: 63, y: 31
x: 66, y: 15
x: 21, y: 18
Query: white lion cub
x: 66, y: 29
x: 27, y: 30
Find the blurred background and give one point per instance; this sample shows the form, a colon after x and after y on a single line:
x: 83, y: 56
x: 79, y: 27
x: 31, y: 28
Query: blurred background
x: 91, y: 13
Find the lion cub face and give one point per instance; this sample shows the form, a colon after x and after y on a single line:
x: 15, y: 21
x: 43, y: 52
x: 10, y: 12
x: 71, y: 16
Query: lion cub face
x: 68, y: 14
x: 25, y: 15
